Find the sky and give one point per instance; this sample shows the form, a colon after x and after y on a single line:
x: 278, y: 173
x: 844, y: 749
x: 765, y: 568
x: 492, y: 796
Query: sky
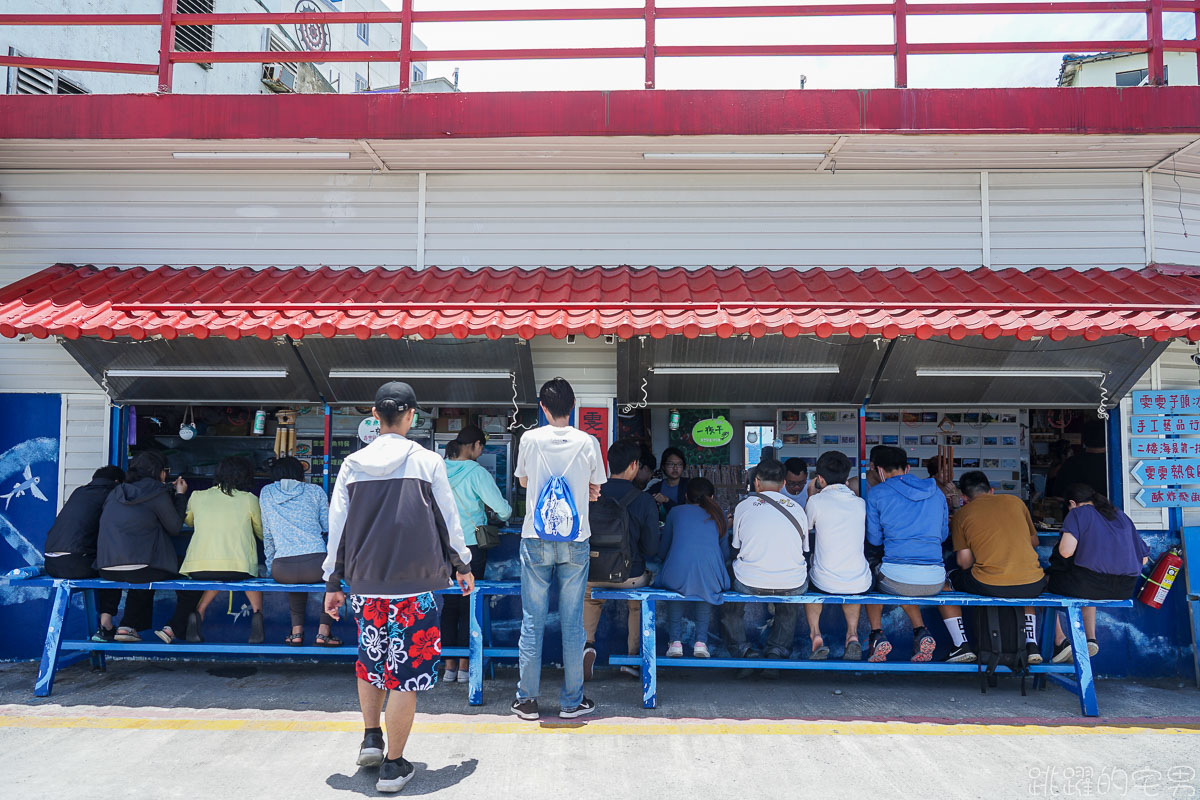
x: 770, y: 72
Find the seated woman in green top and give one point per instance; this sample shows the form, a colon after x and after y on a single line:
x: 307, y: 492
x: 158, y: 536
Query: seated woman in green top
x: 226, y: 519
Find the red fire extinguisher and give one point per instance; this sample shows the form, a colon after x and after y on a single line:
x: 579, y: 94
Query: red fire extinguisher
x: 1154, y: 590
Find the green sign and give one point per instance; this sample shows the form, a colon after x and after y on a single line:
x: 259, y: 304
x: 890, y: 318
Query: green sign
x: 712, y: 432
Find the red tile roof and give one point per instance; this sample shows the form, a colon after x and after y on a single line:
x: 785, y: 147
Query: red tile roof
x: 74, y: 301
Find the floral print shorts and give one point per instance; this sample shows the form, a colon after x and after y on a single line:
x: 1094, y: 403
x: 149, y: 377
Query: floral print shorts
x: 399, y: 641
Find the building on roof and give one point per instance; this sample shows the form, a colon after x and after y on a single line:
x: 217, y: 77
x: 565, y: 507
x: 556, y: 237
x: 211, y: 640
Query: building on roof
x: 1125, y: 69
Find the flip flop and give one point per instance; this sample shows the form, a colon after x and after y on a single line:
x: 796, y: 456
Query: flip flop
x: 819, y: 653
x: 853, y: 651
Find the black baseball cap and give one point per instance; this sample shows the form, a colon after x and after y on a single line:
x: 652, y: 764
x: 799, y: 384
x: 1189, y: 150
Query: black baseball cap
x: 400, y: 392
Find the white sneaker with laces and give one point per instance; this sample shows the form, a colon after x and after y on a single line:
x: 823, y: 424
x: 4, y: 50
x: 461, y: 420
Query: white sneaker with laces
x: 675, y: 650
x: 700, y: 650
x: 464, y: 676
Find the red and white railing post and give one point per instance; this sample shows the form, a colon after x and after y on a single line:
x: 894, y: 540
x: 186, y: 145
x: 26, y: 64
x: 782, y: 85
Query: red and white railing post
x: 166, y: 43
x: 900, y: 27
x: 650, y: 44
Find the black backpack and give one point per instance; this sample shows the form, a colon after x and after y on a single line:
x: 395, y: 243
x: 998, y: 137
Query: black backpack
x: 611, y: 550
x: 1001, y: 633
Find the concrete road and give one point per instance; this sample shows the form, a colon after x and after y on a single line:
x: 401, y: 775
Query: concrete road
x: 266, y: 731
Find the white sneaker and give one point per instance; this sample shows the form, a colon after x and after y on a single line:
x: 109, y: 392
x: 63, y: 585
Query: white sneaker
x: 464, y: 676
x: 700, y: 650
x: 675, y: 650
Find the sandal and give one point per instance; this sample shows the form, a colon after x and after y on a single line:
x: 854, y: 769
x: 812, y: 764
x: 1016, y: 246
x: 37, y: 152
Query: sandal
x: 328, y: 640
x: 127, y: 635
x: 294, y: 639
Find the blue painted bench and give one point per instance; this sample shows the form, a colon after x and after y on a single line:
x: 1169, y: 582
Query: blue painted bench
x: 1082, y: 685
x: 54, y: 660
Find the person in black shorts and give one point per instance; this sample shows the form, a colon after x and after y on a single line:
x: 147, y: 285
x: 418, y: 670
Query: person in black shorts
x: 1098, y: 557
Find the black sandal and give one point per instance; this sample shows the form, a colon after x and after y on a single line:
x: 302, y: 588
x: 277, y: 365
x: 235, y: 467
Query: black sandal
x: 294, y: 639
x: 328, y: 640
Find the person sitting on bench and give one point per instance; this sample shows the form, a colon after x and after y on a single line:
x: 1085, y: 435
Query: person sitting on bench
x: 71, y: 543
x: 908, y: 518
x: 295, y: 517
x: 696, y: 545
x: 770, y: 538
x: 1098, y: 557
x: 838, y: 518
x: 134, y: 544
x: 994, y: 539
x: 227, y: 520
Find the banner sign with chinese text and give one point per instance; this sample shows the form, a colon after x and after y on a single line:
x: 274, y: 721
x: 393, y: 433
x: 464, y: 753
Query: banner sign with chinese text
x: 1167, y: 401
x: 1147, y: 426
x: 594, y: 420
x: 1162, y: 473
x: 1164, y: 448
x: 1168, y: 498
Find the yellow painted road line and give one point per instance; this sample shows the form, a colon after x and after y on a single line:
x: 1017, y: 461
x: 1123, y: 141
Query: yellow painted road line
x: 601, y: 728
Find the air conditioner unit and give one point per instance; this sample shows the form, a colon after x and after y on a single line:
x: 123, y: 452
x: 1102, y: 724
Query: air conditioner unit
x: 279, y: 77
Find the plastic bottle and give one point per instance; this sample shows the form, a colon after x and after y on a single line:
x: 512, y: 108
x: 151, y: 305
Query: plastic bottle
x: 21, y: 573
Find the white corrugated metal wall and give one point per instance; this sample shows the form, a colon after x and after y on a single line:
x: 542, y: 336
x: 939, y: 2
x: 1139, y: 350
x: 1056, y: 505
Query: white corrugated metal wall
x: 1176, y: 213
x: 1081, y: 219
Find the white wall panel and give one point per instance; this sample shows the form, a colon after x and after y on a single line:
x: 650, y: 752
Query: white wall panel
x: 84, y: 440
x: 696, y: 219
x: 590, y: 365
x: 1067, y: 220
x: 1176, y: 210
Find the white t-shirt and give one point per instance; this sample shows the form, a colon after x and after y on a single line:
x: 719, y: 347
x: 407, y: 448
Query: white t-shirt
x: 839, y: 522
x: 771, y: 550
x: 548, y: 451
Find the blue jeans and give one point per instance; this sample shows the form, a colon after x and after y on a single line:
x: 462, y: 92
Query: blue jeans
x: 675, y: 612
x: 541, y: 561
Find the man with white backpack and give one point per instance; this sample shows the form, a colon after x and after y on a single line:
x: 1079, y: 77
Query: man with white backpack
x: 562, y: 470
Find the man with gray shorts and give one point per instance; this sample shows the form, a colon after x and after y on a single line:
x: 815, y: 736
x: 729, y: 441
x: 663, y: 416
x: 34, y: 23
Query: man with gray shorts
x: 907, y: 519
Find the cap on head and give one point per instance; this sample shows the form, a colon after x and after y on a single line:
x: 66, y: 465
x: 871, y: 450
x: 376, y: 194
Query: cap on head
x: 400, y: 392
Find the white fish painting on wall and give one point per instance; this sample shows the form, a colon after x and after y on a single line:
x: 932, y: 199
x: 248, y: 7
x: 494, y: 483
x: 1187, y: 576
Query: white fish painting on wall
x: 30, y: 484
x: 17, y: 470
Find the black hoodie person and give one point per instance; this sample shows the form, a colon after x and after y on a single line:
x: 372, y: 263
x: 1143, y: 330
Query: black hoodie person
x: 134, y: 546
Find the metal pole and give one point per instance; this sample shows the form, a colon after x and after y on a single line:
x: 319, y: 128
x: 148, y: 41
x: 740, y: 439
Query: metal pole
x: 328, y: 444
x: 900, y: 27
x: 406, y: 33
x: 650, y: 45
x: 166, y: 43
x: 1154, y: 31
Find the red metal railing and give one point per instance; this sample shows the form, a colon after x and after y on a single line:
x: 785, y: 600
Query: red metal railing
x: 1155, y: 44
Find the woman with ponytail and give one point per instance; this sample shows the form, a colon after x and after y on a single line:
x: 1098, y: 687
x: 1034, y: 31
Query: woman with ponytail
x: 696, y: 544
x: 1098, y: 557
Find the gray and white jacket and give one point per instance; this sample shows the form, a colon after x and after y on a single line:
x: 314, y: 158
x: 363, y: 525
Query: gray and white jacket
x: 393, y: 523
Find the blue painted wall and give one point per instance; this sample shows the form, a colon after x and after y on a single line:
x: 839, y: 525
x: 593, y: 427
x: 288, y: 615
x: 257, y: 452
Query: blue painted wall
x: 29, y: 428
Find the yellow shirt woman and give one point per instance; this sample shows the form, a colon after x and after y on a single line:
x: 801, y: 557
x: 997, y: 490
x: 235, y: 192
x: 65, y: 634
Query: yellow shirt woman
x: 226, y: 526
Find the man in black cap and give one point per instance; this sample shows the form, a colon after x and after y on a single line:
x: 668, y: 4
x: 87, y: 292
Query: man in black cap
x: 395, y: 538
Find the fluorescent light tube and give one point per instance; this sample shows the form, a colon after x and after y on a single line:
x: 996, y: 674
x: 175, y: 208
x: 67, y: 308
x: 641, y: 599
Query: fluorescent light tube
x: 244, y: 156
x: 929, y: 372
x: 401, y: 374
x: 730, y: 156
x: 799, y: 369
x: 196, y: 373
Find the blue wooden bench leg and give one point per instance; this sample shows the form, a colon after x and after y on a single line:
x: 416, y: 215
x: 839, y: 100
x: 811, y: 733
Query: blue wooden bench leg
x: 89, y: 607
x: 487, y: 635
x: 649, y: 656
x: 1083, y: 662
x: 54, y: 631
x: 1046, y: 643
x: 475, y: 648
